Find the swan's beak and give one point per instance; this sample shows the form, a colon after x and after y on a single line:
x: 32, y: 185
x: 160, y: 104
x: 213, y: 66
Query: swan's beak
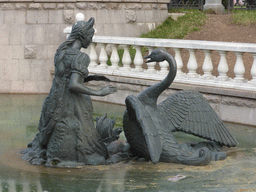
x: 149, y: 59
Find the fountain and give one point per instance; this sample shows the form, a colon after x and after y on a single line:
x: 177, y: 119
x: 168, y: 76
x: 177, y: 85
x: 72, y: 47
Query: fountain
x: 19, y: 116
x: 153, y: 133
x: 67, y: 137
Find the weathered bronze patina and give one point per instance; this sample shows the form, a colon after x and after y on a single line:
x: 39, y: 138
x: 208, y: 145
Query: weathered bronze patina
x: 67, y: 136
x: 149, y: 127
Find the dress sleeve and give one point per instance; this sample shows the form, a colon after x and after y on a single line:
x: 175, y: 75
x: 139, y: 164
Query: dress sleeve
x: 80, y: 64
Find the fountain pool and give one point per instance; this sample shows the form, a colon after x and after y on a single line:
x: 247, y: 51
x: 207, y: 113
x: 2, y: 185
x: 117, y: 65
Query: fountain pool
x: 19, y: 115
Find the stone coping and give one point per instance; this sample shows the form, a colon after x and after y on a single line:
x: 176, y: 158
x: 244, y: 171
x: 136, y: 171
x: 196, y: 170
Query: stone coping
x: 176, y: 43
x: 82, y: 5
x: 181, y: 86
x: 97, y: 1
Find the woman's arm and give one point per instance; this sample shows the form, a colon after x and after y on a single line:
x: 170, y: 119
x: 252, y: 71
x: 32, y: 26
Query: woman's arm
x: 76, y: 85
x: 96, y: 78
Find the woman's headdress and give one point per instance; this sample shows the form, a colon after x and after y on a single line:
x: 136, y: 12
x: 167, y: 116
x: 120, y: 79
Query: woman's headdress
x: 82, y: 28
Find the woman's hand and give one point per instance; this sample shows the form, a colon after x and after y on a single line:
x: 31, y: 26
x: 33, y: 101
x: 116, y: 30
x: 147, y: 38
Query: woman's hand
x: 76, y: 85
x: 107, y: 90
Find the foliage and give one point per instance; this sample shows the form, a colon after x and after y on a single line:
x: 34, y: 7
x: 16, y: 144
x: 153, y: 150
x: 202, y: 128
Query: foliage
x: 244, y: 17
x: 171, y: 29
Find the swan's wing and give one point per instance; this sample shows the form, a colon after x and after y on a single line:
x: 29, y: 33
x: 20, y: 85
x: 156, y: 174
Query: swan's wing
x: 140, y: 130
x: 189, y: 112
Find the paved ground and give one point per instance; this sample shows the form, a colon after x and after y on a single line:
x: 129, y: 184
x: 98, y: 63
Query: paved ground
x: 220, y: 28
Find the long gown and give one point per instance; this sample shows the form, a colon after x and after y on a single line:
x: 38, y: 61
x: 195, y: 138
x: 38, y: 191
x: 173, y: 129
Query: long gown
x: 66, y: 127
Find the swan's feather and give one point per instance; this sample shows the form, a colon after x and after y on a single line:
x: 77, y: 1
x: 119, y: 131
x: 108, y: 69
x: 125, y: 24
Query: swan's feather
x: 140, y: 130
x: 189, y: 112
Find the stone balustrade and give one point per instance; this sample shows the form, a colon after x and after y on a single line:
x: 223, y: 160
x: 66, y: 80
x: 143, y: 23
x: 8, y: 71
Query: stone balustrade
x: 108, y: 51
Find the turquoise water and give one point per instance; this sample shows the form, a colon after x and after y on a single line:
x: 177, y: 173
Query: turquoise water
x: 19, y: 115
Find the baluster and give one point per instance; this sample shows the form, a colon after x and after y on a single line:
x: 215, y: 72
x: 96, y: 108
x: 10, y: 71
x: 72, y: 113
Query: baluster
x: 207, y: 65
x: 151, y: 65
x: 223, y: 66
x: 103, y: 58
x: 239, y: 67
x: 138, y: 59
x: 192, y: 63
x: 93, y: 55
x: 12, y: 186
x: 114, y: 57
x: 25, y: 186
x: 253, y: 69
x: 164, y: 67
x: 178, y: 60
x: 126, y: 60
x: 39, y: 186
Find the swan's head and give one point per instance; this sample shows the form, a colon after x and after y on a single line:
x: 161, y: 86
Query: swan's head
x: 157, y: 55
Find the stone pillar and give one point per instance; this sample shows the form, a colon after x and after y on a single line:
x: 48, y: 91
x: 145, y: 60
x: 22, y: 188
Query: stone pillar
x: 215, y: 5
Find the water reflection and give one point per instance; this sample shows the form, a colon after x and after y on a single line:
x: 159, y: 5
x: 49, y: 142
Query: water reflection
x: 19, y: 115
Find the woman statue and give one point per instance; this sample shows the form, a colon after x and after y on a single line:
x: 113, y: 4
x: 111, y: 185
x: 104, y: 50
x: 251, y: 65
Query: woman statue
x: 67, y: 136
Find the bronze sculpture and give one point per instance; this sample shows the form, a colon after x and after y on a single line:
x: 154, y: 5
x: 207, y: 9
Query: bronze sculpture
x: 148, y: 127
x: 67, y: 136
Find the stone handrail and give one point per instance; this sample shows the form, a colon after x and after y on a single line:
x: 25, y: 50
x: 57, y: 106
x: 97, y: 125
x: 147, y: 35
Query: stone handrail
x: 109, y: 51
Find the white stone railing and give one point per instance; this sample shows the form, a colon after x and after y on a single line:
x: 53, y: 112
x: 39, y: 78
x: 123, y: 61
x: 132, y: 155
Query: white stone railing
x: 108, y: 50
x: 105, y: 48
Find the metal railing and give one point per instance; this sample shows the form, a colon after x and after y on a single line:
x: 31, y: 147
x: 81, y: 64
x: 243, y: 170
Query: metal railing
x: 186, y: 4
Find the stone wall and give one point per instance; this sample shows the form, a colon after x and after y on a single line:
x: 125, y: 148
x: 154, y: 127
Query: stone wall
x: 31, y: 31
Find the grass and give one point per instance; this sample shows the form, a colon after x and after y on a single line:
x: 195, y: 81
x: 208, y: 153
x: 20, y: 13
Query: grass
x: 244, y: 17
x: 171, y: 29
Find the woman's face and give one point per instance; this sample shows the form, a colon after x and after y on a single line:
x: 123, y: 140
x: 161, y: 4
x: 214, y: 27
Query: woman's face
x: 86, y: 41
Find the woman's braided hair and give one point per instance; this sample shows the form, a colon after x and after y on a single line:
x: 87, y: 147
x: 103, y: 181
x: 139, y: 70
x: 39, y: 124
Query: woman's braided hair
x: 80, y: 30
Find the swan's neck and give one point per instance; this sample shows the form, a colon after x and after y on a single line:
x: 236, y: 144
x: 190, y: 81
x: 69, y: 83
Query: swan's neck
x: 150, y: 95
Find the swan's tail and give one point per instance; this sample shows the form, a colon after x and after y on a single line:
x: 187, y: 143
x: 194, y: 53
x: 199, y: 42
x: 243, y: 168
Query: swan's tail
x: 198, y: 158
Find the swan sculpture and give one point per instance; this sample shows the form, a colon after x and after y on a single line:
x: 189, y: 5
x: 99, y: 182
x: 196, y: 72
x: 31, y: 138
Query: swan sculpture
x: 149, y: 127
